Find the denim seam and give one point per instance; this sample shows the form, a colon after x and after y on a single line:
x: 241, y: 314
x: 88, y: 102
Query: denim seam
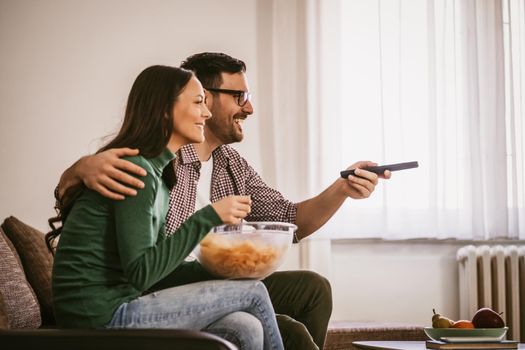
x: 263, y: 316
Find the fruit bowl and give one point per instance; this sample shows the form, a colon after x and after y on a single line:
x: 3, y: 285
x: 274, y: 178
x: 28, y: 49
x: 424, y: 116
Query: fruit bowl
x: 251, y: 250
x: 438, y: 333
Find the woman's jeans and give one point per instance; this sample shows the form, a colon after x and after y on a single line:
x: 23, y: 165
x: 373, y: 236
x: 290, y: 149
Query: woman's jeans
x: 239, y: 311
x: 302, y: 301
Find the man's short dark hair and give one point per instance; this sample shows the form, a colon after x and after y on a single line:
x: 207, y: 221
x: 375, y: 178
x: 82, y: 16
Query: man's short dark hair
x: 208, y: 67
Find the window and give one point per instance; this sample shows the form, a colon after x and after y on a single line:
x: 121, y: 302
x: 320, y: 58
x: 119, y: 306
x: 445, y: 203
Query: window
x: 440, y: 82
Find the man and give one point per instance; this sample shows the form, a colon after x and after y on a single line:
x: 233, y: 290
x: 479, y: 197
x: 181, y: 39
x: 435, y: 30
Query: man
x: 212, y: 170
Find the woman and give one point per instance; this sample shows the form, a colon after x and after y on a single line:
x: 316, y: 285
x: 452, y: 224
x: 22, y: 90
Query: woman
x: 111, y: 252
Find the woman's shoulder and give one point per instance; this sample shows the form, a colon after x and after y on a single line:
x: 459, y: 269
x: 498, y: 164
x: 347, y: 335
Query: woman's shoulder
x: 153, y: 165
x: 142, y: 162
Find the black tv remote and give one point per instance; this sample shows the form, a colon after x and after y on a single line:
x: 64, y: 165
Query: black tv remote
x: 381, y: 169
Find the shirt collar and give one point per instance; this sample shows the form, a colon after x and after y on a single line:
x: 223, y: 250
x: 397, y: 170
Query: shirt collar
x: 163, y: 159
x: 188, y: 154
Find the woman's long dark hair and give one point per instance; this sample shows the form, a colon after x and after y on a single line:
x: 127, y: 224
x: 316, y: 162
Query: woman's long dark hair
x: 147, y: 126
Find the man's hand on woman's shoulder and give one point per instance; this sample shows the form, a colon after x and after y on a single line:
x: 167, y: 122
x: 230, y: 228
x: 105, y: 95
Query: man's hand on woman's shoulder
x: 106, y: 173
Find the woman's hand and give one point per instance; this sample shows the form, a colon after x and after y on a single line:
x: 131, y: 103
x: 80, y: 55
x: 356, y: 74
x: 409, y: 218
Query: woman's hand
x: 233, y: 209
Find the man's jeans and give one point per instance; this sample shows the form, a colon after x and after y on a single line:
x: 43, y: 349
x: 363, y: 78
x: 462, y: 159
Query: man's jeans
x: 239, y: 311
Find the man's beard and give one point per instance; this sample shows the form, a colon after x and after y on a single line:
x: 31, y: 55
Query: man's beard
x: 226, y: 134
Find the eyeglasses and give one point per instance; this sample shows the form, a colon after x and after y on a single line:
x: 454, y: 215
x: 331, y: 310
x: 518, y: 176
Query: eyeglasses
x: 242, y: 96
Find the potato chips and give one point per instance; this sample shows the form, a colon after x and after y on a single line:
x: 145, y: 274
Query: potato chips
x: 242, y: 255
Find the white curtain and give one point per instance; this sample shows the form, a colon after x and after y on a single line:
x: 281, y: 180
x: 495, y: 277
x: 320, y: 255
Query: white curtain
x: 437, y: 81
x: 514, y: 34
x: 282, y: 75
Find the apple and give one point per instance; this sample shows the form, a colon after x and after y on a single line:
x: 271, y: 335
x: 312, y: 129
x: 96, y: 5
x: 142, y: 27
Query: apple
x: 487, y: 318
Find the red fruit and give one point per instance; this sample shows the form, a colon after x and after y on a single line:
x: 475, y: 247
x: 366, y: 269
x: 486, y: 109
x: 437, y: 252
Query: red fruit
x: 487, y: 318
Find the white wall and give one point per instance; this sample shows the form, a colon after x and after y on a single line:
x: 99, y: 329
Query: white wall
x: 66, y: 67
x: 394, y: 281
x: 385, y: 281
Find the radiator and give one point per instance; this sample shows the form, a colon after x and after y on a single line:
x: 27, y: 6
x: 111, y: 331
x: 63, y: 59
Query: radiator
x: 494, y: 277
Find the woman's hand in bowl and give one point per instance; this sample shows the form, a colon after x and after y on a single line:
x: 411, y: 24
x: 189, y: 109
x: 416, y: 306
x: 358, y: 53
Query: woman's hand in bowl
x: 233, y: 209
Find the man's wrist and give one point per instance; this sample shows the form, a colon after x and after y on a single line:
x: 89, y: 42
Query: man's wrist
x: 70, y: 178
x: 341, y: 188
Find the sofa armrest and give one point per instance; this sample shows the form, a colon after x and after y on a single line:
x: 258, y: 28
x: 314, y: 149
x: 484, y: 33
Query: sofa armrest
x: 111, y: 339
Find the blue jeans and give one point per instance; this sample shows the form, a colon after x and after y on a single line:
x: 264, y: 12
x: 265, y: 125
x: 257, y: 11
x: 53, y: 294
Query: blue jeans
x: 239, y: 311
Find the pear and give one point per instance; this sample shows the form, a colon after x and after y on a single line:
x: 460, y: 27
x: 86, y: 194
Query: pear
x: 444, y: 322
x: 435, y: 318
x: 439, y: 321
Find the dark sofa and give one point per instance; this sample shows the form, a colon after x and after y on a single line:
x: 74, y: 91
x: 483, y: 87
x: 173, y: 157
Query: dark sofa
x: 26, y: 313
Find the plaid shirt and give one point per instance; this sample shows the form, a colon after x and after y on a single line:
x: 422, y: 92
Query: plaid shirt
x: 231, y: 175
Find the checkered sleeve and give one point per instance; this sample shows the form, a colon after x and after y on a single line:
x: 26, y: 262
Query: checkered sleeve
x: 268, y: 204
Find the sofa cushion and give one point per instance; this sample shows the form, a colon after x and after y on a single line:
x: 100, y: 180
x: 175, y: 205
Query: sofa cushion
x: 36, y: 260
x: 20, y: 304
x: 3, y: 314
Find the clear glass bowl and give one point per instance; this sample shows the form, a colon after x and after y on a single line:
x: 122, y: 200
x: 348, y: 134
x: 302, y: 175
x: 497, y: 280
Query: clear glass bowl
x: 251, y: 250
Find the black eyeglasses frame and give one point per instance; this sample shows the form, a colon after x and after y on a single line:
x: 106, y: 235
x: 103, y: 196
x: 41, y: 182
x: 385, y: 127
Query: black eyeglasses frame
x: 242, y: 96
